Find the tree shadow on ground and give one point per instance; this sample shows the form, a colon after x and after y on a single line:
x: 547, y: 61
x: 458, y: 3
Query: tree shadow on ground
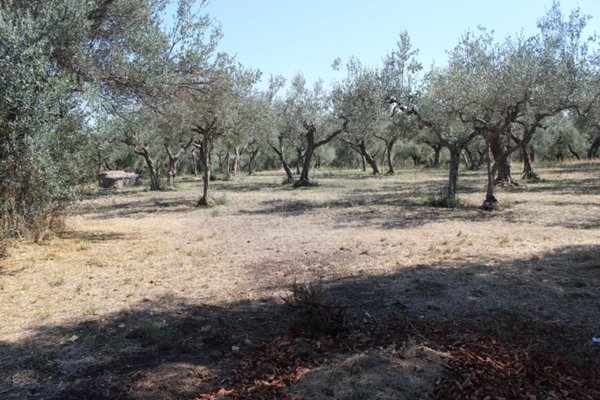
x: 381, y: 209
x: 92, y: 237
x: 127, y: 191
x: 398, y: 205
x: 398, y: 196
x: 564, y: 186
x: 573, y: 167
x: 141, y: 208
x: 249, y: 187
x: 174, y: 347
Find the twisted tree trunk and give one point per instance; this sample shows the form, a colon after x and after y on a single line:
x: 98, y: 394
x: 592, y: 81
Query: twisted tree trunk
x: 593, y: 150
x: 153, y: 169
x: 361, y: 149
x: 453, y: 174
x: 281, y: 154
x: 573, y: 152
x: 205, y: 147
x: 437, y: 149
x: 252, y: 156
x: 389, y: 153
x: 206, y: 163
x: 501, y: 168
x: 174, y: 160
x: 236, y: 161
x: 528, y: 172
x: 311, y: 145
x: 490, y: 203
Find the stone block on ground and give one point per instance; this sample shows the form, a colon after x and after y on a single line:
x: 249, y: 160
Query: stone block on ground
x: 117, y: 179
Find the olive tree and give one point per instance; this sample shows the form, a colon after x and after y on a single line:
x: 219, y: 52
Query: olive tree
x: 360, y: 98
x: 211, y: 107
x: 434, y: 112
x: 313, y: 116
x: 40, y: 128
x: 516, y: 86
x: 400, y: 83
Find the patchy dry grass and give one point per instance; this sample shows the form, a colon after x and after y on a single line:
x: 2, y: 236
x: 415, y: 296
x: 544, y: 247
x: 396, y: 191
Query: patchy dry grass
x: 144, y: 276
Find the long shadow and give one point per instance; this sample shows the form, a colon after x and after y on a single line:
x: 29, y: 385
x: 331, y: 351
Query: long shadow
x: 386, y: 209
x: 141, y: 208
x: 175, y: 347
x: 565, y: 186
x: 93, y: 237
x: 248, y: 187
x: 572, y: 168
x: 590, y: 222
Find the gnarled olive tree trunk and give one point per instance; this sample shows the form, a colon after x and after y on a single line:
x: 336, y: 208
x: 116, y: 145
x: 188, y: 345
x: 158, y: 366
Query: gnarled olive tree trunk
x: 593, y: 150
x: 281, y: 154
x: 361, y: 149
x: 501, y: 167
x: 195, y: 162
x: 236, y: 160
x: 252, y: 153
x: 311, y: 145
x: 490, y: 203
x: 205, y: 146
x: 453, y: 173
x: 389, y: 153
x: 174, y: 160
x: 528, y: 172
x: 153, y: 170
x: 437, y: 149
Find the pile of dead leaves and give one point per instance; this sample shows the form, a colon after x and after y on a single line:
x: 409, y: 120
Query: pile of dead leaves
x: 478, y: 366
x: 264, y: 374
x: 483, y: 368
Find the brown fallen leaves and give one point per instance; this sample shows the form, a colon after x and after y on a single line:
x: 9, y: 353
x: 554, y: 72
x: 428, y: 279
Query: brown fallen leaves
x: 483, y: 368
x: 479, y: 367
x: 265, y: 373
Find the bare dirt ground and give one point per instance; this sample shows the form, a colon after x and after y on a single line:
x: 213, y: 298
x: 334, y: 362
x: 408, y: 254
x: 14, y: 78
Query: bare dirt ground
x: 146, y: 296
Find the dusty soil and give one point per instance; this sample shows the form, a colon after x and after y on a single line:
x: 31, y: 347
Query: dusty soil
x: 146, y: 296
x: 374, y: 375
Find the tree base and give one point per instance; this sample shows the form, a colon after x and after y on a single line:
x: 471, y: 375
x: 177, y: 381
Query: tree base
x: 302, y: 183
x: 490, y: 204
x: 204, y: 202
x: 505, y: 182
x: 531, y: 176
x: 390, y: 173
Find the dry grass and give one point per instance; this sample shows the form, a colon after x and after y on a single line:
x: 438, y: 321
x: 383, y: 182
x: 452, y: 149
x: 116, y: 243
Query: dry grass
x: 370, y: 241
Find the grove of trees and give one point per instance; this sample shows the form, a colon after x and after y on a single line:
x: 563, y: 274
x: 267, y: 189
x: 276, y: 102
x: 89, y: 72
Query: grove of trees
x: 88, y: 85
